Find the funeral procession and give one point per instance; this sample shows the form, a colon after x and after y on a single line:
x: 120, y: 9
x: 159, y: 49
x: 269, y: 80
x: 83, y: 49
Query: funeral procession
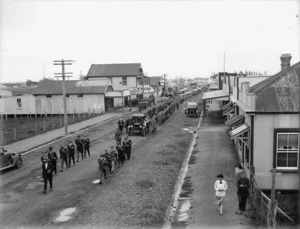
x: 151, y: 114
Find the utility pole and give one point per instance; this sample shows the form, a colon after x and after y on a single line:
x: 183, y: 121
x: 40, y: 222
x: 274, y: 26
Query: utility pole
x: 142, y: 85
x: 164, y: 84
x: 64, y: 74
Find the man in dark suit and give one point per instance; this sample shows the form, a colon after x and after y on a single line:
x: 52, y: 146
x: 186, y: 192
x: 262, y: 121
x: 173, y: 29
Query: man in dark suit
x: 47, y: 174
x: 86, y: 146
x: 79, y: 147
x: 128, y: 146
x: 71, y: 150
x: 52, y: 156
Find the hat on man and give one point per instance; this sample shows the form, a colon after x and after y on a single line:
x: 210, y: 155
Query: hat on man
x: 220, y: 175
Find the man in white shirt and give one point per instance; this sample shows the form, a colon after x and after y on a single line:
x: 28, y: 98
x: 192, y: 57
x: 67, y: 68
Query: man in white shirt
x: 220, y: 188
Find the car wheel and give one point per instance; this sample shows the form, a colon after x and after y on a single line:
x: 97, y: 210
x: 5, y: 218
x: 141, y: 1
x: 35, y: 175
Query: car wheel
x: 143, y: 132
x: 19, y: 163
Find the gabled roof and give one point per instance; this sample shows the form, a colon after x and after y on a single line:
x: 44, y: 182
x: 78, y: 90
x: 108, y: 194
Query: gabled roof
x: 98, y: 70
x: 18, y: 91
x: 279, y: 93
x: 73, y: 87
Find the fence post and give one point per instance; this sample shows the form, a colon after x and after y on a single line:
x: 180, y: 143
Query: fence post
x: 15, y: 134
x: 52, y: 124
x: 1, y: 137
x: 60, y: 121
x: 89, y: 111
x: 269, y: 213
x: 261, y: 207
x: 35, y: 128
x: 274, y: 213
x: 44, y: 125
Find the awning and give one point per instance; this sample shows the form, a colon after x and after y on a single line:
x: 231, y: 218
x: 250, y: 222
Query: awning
x: 239, y: 119
x: 227, y: 106
x: 228, y: 110
x: 239, y: 131
x: 215, y: 95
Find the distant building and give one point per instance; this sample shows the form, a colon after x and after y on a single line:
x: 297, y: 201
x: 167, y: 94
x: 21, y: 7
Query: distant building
x: 127, y: 76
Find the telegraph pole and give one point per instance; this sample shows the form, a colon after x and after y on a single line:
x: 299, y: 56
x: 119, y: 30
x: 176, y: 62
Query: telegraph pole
x: 164, y: 84
x: 64, y: 74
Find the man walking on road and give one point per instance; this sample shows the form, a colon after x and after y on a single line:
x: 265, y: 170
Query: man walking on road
x: 63, y: 157
x: 86, y: 146
x: 79, y: 147
x: 243, y: 185
x: 53, y: 159
x: 220, y: 188
x: 101, y: 168
x: 47, y: 174
x: 71, y: 149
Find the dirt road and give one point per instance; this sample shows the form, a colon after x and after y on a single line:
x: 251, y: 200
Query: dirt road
x: 137, y: 195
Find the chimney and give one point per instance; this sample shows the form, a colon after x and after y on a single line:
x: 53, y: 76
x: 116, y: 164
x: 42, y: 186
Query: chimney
x: 285, y: 61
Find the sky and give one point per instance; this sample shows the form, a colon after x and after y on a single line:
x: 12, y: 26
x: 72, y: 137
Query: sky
x: 178, y: 38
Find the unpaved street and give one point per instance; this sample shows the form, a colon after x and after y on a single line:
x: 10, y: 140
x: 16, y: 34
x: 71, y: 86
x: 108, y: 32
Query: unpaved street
x: 137, y: 195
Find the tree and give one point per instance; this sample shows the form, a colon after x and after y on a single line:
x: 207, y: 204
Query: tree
x: 30, y: 83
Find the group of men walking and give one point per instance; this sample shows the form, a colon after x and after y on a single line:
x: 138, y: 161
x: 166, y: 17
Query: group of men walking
x: 66, y: 156
x: 113, y: 159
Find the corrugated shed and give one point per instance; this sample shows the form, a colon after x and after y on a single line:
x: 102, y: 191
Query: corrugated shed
x: 280, y: 93
x: 98, y: 70
x: 73, y: 87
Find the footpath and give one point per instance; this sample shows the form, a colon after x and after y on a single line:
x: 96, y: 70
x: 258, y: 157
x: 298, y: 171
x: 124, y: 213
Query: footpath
x: 28, y: 145
x: 213, y: 154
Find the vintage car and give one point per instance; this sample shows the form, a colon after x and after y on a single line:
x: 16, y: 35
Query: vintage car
x: 8, y: 160
x: 192, y: 110
x: 139, y: 124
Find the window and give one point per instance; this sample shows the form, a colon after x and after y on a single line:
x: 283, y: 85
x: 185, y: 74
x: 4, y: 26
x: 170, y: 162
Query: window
x: 80, y: 95
x: 124, y: 80
x: 287, y: 150
x: 19, y: 103
x: 48, y: 96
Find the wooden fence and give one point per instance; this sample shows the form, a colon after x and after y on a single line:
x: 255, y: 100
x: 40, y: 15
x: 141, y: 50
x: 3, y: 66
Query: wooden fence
x: 263, y: 205
x: 22, y: 128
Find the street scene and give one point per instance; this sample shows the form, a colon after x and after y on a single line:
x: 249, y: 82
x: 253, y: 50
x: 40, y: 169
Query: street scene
x: 151, y: 114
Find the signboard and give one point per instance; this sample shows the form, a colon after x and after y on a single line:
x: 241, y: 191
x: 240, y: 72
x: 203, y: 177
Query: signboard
x: 91, y: 83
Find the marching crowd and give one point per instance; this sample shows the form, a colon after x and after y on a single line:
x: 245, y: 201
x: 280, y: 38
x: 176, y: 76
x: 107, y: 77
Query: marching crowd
x: 108, y: 162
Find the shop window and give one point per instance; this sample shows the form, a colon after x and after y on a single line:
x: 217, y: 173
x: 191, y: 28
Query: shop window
x: 19, y: 103
x: 287, y: 150
x: 124, y: 80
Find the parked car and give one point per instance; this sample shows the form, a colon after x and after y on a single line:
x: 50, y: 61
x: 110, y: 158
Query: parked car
x: 192, y: 110
x: 8, y: 160
x: 139, y: 124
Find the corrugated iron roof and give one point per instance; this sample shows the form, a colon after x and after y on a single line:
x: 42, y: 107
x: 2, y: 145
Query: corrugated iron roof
x: 115, y: 70
x: 17, y: 91
x: 279, y: 93
x: 214, y: 95
x: 54, y: 87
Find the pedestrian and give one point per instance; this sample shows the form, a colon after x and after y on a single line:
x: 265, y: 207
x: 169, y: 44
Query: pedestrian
x: 127, y: 123
x: 121, y: 155
x: 63, y: 152
x: 86, y: 146
x: 128, y: 146
x: 177, y: 105
x: 114, y: 157
x: 121, y: 125
x: 79, y: 147
x: 108, y: 162
x: 243, y: 185
x: 101, y: 168
x: 118, y: 136
x: 47, y: 174
x: 53, y: 159
x: 71, y: 150
x: 220, y: 188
